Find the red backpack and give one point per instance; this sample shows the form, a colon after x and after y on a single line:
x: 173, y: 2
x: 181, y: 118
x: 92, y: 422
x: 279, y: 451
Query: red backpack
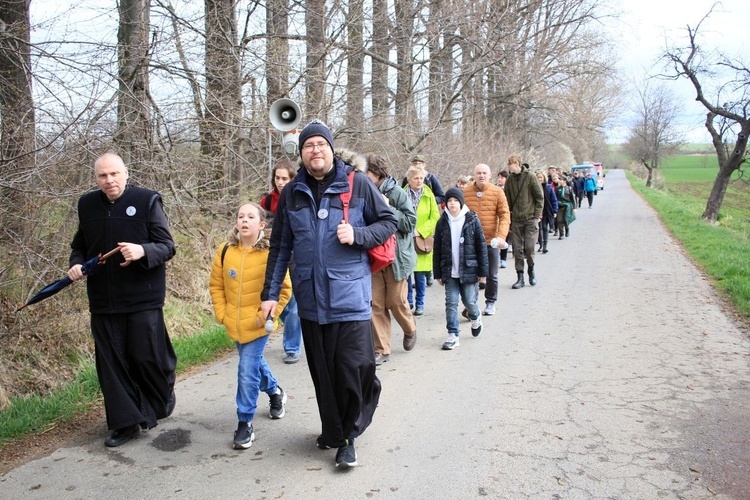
x: 381, y: 256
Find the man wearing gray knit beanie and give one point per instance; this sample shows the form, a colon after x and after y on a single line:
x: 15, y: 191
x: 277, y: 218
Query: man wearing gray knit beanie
x: 333, y: 281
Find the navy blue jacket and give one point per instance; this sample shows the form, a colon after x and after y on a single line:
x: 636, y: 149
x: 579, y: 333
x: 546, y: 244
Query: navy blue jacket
x: 332, y: 281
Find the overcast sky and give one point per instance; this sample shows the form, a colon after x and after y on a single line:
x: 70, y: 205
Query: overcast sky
x: 647, y: 26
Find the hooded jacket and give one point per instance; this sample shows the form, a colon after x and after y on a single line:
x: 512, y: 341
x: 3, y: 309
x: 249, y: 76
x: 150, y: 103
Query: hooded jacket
x: 472, y: 258
x: 525, y: 196
x: 331, y: 280
x: 406, y: 257
x: 235, y: 287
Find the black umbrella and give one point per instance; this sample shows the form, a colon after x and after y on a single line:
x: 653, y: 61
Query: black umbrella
x: 88, y: 268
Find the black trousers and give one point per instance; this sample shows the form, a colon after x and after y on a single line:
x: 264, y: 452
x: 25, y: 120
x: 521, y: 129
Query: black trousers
x: 136, y: 364
x: 341, y: 358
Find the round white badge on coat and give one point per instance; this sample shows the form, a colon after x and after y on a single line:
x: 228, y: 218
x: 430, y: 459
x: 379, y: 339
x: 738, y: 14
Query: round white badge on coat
x: 479, y: 194
x: 130, y: 210
x: 322, y: 213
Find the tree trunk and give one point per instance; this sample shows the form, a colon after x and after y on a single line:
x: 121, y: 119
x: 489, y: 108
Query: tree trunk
x: 134, y: 136
x: 18, y: 134
x: 403, y: 38
x: 728, y: 163
x: 277, y: 47
x: 220, y: 128
x: 315, y: 22
x: 16, y: 102
x: 355, y: 94
x: 650, y: 171
x: 380, y: 47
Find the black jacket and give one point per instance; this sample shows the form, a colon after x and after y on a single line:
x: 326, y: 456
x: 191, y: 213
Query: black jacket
x: 135, y: 217
x: 473, y: 262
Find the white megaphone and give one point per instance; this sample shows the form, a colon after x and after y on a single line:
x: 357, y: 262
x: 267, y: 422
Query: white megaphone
x: 284, y: 115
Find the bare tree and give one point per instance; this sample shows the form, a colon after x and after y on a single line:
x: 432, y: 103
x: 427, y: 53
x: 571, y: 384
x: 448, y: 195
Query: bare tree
x: 17, y: 116
x: 727, y: 110
x: 653, y: 136
x: 221, y: 121
x: 135, y: 130
x: 315, y: 82
x: 277, y: 49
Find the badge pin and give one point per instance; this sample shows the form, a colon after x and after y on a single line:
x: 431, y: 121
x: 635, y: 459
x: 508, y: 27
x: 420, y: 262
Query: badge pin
x: 233, y: 273
x: 130, y: 210
x: 479, y: 194
x: 322, y: 213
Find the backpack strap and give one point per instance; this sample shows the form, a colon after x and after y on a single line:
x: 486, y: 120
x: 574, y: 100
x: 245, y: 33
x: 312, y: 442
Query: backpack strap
x: 223, y: 253
x: 347, y: 196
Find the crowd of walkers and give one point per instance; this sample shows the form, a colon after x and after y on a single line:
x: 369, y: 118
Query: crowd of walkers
x: 298, y: 259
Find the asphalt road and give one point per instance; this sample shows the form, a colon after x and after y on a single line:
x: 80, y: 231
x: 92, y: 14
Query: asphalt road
x: 617, y: 376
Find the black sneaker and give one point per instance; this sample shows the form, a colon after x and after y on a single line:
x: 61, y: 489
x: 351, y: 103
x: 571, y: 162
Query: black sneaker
x: 122, y: 436
x: 319, y: 443
x: 277, y: 404
x: 346, y: 456
x: 243, y: 436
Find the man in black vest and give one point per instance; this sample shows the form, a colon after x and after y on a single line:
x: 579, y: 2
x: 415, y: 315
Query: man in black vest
x: 135, y: 361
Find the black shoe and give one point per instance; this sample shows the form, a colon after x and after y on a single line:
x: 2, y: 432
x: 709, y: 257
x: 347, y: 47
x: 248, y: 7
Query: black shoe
x: 430, y: 280
x: 520, y: 283
x: 243, y: 436
x: 277, y: 404
x: 544, y: 249
x: 465, y: 314
x: 532, y: 277
x: 319, y: 443
x: 171, y: 402
x: 381, y: 358
x: 122, y: 436
x: 346, y: 456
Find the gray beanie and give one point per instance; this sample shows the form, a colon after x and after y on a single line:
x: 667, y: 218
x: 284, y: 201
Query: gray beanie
x: 316, y: 128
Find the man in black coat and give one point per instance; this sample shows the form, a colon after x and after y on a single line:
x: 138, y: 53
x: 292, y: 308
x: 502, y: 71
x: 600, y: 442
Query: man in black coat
x: 135, y: 361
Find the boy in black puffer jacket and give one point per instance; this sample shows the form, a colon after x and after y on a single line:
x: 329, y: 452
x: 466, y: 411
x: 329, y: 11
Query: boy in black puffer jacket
x: 459, y: 262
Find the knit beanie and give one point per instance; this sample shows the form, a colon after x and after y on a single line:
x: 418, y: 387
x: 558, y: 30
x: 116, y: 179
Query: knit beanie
x: 316, y: 128
x: 456, y: 193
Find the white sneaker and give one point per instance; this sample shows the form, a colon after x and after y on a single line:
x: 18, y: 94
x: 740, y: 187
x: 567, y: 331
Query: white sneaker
x: 476, y: 326
x: 503, y: 264
x: 451, y: 342
x: 490, y: 309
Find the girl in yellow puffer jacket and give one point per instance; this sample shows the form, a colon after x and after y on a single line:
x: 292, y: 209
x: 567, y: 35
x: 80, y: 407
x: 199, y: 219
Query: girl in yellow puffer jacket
x: 237, y: 277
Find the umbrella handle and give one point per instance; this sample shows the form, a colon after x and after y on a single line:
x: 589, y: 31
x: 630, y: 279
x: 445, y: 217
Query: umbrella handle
x: 109, y: 254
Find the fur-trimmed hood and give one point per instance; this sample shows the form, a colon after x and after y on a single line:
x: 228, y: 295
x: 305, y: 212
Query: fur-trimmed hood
x: 356, y: 160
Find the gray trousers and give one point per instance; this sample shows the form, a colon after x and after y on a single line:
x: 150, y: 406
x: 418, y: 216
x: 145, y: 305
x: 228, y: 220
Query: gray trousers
x: 524, y: 234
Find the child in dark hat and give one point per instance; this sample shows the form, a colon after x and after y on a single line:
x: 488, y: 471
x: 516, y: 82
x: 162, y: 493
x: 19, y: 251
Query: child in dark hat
x: 459, y: 262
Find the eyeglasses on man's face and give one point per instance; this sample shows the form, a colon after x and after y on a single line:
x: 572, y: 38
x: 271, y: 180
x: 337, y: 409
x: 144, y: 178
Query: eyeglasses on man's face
x: 320, y: 146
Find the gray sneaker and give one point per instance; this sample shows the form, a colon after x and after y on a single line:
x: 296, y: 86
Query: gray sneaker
x: 243, y: 436
x: 277, y: 404
x: 291, y: 358
x: 451, y: 342
x: 476, y: 326
x: 490, y: 309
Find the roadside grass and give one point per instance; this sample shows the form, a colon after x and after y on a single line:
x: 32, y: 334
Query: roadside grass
x: 720, y: 249
x: 39, y: 414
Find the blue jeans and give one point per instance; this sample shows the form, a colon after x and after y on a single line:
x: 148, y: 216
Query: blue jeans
x: 420, y: 277
x: 468, y: 293
x: 253, y: 377
x: 292, y: 327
